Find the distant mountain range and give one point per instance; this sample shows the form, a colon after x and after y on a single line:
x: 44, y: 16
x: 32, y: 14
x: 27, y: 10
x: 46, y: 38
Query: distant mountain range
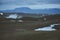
x: 28, y: 10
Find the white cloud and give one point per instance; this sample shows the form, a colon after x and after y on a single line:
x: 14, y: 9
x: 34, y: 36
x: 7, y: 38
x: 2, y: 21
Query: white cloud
x: 43, y: 6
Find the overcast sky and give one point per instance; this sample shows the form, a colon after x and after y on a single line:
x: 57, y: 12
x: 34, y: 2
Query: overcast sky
x: 33, y: 4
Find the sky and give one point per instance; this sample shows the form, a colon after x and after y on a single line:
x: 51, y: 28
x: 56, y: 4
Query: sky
x: 33, y: 4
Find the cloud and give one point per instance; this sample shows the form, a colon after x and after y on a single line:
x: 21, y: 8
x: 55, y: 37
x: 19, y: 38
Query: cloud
x: 29, y: 2
x: 44, y: 6
x: 11, y: 4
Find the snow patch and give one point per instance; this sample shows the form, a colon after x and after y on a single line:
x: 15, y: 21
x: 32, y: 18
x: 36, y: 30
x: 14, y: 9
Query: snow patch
x: 48, y: 28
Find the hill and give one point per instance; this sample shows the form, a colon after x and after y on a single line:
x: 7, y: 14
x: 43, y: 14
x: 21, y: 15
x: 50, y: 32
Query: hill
x: 28, y: 10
